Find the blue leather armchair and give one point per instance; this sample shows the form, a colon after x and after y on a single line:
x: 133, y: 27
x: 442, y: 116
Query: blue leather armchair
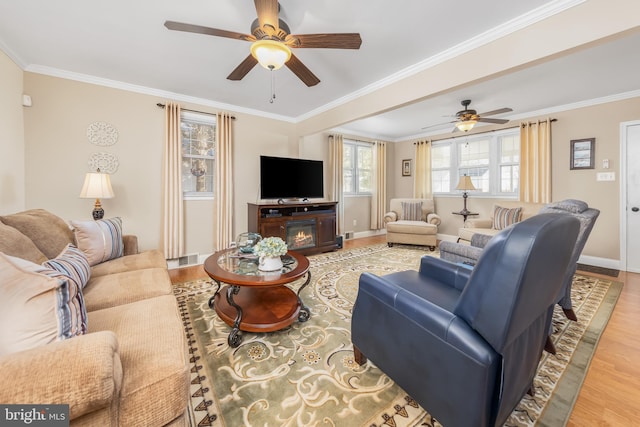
x: 465, y: 343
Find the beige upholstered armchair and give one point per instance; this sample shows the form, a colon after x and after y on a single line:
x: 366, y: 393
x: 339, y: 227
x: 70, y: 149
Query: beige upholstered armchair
x: 412, y: 222
x: 504, y: 213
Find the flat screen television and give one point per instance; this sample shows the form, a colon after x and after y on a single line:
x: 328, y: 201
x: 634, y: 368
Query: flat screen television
x: 286, y: 178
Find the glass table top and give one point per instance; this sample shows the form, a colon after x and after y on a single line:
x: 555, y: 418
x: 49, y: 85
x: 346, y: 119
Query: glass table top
x: 247, y: 264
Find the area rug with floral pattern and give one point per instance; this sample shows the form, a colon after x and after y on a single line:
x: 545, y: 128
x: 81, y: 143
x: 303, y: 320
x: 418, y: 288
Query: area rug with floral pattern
x: 305, y: 375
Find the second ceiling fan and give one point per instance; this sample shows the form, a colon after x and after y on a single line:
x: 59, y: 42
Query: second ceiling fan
x: 272, y: 42
x: 467, y: 118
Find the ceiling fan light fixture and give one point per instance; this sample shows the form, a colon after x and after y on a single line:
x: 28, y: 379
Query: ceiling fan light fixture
x: 271, y: 54
x: 466, y: 125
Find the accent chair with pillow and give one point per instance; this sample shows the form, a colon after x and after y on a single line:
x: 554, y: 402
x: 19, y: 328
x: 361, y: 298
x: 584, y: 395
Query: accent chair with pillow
x: 95, y: 326
x: 503, y: 214
x: 466, y: 343
x: 412, y: 222
x: 587, y: 217
x: 469, y: 254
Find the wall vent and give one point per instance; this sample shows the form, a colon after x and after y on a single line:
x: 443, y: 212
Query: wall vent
x: 348, y: 235
x: 190, y: 259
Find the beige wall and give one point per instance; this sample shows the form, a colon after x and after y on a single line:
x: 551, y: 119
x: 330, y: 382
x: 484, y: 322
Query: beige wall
x: 58, y: 151
x: 601, y: 122
x: 403, y: 185
x: 11, y: 137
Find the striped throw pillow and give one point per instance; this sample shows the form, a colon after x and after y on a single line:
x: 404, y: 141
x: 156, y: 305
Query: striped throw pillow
x: 72, y: 265
x: 411, y: 211
x: 72, y: 262
x: 504, y: 217
x: 100, y: 240
x: 41, y: 305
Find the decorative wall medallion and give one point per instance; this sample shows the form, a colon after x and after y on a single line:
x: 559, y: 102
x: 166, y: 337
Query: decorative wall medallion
x: 102, y: 133
x: 106, y: 162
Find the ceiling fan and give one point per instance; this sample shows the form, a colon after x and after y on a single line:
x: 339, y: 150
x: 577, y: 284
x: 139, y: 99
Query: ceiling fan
x: 467, y: 118
x: 272, y: 40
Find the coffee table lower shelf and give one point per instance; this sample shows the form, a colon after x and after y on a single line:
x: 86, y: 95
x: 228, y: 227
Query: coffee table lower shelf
x: 265, y: 309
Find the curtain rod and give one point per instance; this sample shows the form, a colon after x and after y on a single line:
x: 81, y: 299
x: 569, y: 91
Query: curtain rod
x: 194, y: 111
x: 487, y: 131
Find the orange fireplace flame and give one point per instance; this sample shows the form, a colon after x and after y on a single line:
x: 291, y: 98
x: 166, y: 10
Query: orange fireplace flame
x: 302, y: 238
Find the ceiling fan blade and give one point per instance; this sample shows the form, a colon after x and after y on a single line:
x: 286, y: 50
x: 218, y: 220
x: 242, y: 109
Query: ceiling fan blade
x: 436, y: 125
x: 499, y: 111
x: 330, y: 41
x: 301, y: 70
x: 267, y: 11
x: 198, y: 29
x: 498, y: 121
x: 242, y: 69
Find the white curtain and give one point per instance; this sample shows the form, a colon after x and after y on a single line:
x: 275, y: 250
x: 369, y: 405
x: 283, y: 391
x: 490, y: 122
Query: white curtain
x: 336, y: 177
x: 223, y: 196
x: 379, y: 195
x: 172, y: 204
x: 535, y: 162
x: 422, y: 179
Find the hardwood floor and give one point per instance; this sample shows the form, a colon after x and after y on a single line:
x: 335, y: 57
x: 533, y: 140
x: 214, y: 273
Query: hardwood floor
x: 610, y: 395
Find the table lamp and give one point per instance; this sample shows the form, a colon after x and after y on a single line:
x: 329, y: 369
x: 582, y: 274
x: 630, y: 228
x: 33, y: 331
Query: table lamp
x: 97, y: 186
x: 465, y: 185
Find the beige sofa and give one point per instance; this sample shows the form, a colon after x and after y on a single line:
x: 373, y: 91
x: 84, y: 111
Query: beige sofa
x: 414, y: 231
x: 131, y: 367
x: 486, y: 225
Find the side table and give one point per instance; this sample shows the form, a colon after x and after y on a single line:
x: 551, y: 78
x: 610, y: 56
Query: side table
x: 465, y: 214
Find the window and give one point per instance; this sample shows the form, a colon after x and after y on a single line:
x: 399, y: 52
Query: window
x: 198, y: 154
x: 441, y: 168
x: 492, y: 160
x: 473, y: 160
x: 357, y: 168
x: 509, y: 146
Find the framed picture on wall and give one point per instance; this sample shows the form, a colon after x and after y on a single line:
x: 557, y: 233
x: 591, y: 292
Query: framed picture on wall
x: 406, y: 167
x: 583, y: 153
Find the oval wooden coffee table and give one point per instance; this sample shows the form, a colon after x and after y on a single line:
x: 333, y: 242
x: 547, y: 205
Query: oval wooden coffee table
x: 256, y: 301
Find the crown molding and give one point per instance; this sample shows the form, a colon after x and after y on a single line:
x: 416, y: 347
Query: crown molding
x: 523, y: 116
x: 85, y: 78
x: 12, y: 55
x: 539, y: 14
x: 575, y: 105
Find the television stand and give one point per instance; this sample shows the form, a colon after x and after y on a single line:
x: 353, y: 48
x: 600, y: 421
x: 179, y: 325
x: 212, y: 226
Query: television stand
x: 306, y: 227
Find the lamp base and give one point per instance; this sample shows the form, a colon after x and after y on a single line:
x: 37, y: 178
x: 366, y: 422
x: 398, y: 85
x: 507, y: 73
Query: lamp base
x: 464, y: 210
x: 98, y: 212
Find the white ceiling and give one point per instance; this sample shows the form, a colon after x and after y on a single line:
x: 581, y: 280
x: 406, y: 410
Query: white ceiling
x: 124, y: 43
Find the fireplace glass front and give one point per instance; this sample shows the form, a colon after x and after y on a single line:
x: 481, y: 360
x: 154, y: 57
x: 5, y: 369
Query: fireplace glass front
x: 301, y: 234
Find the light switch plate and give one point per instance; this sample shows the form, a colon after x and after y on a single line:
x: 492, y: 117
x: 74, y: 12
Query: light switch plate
x: 606, y: 176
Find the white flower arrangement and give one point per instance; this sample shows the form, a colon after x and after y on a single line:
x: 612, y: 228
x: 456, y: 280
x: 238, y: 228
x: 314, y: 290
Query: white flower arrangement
x: 270, y: 247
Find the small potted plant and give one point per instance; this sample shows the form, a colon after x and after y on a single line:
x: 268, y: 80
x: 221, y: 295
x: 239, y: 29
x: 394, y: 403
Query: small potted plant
x: 269, y: 251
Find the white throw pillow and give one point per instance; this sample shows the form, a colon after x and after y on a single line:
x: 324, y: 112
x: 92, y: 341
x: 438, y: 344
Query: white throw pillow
x: 100, y: 240
x: 37, y: 306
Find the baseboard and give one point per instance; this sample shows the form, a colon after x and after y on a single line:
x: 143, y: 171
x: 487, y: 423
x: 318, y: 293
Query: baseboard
x: 175, y: 263
x: 600, y: 262
x: 369, y: 233
x: 447, y: 237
